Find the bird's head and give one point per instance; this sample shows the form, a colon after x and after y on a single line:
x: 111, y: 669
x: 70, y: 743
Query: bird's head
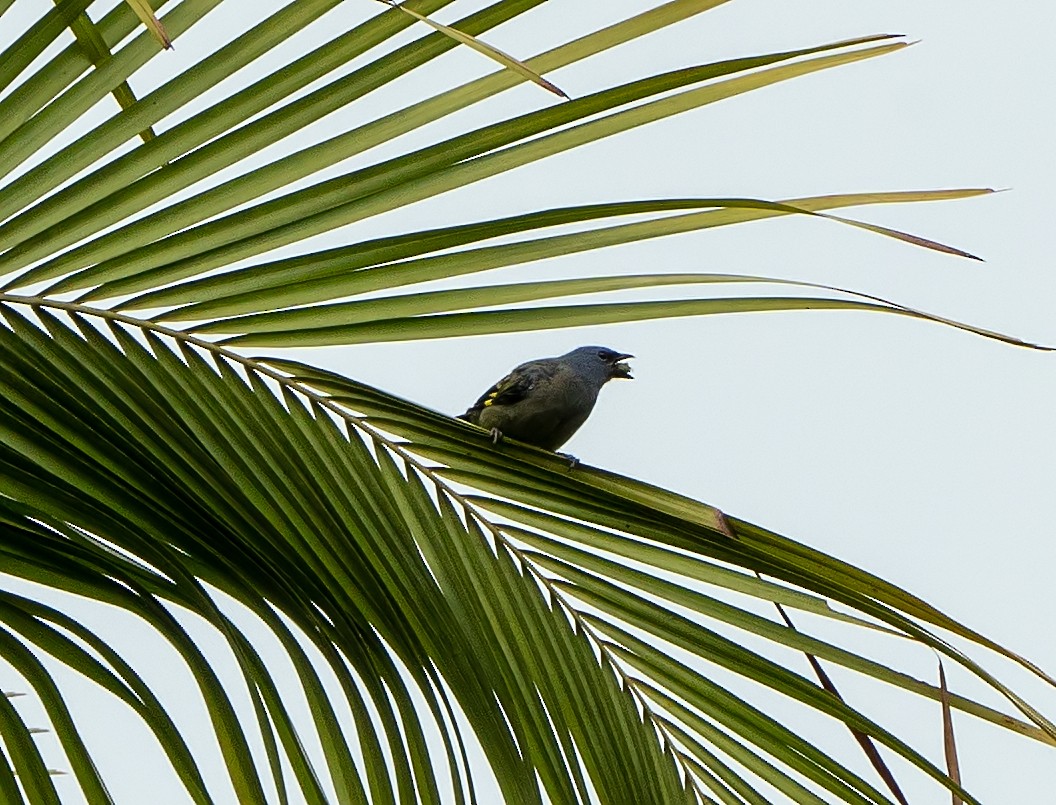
x: 601, y: 362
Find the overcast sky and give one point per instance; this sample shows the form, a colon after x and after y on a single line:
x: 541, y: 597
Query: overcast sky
x: 920, y: 453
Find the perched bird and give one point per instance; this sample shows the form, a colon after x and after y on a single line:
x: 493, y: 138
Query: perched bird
x: 543, y: 402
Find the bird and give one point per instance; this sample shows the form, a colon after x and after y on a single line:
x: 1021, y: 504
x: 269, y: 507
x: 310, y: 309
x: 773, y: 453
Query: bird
x: 543, y: 402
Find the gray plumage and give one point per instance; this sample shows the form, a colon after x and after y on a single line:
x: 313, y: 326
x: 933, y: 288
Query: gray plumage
x: 543, y: 402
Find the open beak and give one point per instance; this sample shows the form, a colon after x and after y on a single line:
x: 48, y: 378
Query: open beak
x: 620, y: 369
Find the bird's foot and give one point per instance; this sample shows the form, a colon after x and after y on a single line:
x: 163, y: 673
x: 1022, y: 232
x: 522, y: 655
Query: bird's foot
x: 496, y: 435
x: 573, y: 462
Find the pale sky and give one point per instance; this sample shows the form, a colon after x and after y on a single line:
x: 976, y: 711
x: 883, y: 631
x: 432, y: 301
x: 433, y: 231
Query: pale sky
x: 917, y: 452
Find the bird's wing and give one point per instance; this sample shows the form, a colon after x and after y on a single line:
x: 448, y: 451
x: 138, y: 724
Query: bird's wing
x: 512, y: 388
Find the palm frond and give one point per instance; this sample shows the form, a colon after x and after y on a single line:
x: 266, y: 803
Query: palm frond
x: 440, y: 611
x: 540, y: 604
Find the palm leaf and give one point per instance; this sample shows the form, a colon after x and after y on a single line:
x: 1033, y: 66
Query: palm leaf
x: 441, y: 583
x: 446, y: 611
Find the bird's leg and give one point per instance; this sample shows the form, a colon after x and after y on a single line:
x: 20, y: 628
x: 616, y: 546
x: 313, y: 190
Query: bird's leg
x: 573, y: 462
x: 496, y: 435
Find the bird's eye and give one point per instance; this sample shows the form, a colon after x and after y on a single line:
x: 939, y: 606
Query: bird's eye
x: 605, y: 355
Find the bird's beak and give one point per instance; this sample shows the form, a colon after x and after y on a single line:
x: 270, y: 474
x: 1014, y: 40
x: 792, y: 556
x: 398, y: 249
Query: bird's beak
x: 622, y: 370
